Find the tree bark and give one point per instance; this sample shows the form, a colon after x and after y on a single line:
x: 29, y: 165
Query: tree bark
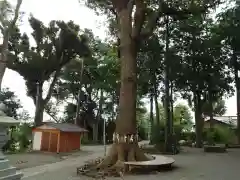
x: 99, y: 116
x: 156, y: 99
x: 211, y: 109
x: 38, y: 118
x: 171, y: 100
x: 126, y: 122
x: 237, y: 84
x: 198, y: 119
x: 40, y: 102
x: 168, y: 128
x: 79, y: 95
x: 39, y: 105
x: 151, y: 118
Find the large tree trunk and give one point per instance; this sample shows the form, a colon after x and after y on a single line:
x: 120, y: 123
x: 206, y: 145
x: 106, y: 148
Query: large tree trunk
x: 172, y: 108
x: 151, y: 118
x: 210, y: 101
x: 77, y: 118
x: 198, y: 119
x: 39, y: 104
x: 125, y: 147
x: 168, y: 128
x: 237, y: 83
x: 38, y: 119
x: 99, y: 116
x: 156, y: 100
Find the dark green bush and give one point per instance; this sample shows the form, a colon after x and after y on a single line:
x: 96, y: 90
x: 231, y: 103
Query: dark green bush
x: 219, y: 134
x: 157, y: 135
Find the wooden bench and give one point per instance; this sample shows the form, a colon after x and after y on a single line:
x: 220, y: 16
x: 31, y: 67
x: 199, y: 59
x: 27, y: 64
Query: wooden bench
x: 157, y: 161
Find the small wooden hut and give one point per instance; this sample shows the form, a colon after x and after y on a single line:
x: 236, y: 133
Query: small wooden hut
x: 57, y: 137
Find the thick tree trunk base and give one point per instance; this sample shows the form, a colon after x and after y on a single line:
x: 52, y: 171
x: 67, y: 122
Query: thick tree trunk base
x: 113, y: 164
x: 120, y: 153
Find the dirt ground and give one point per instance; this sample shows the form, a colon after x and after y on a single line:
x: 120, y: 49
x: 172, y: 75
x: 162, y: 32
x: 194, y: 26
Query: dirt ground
x: 32, y: 159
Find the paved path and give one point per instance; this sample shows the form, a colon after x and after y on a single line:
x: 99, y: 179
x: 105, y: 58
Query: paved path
x: 193, y: 164
x: 64, y: 169
x: 97, y: 151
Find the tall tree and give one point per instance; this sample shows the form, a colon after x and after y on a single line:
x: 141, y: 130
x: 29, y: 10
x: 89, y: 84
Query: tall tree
x: 228, y: 26
x: 56, y: 45
x: 136, y: 20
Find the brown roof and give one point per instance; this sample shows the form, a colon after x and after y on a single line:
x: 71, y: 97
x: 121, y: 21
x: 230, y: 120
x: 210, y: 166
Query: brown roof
x: 66, y: 127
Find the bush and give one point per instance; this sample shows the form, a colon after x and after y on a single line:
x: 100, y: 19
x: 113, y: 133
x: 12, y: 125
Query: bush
x: 157, y: 135
x: 142, y: 133
x: 219, y: 134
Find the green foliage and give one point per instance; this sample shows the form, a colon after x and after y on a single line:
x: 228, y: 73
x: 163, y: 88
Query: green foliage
x: 56, y: 45
x: 158, y: 134
x: 219, y: 134
x: 142, y: 125
x: 19, y: 138
x: 90, y: 77
x: 12, y: 103
x: 182, y: 117
x: 219, y: 108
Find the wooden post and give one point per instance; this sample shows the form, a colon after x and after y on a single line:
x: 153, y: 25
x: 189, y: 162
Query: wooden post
x: 49, y: 142
x: 58, y: 143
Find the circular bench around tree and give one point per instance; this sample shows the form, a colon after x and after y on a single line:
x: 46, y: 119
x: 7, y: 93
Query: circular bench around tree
x: 156, y: 162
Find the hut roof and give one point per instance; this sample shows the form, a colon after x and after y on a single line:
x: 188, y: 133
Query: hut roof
x: 65, y: 127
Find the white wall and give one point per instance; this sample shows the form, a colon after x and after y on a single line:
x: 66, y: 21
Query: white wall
x: 37, y: 138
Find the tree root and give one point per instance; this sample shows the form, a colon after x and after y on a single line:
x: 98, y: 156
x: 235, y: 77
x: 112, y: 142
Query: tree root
x: 118, y: 154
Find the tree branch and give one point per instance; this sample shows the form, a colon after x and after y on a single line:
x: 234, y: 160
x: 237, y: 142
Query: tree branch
x: 152, y: 22
x: 2, y: 29
x: 52, y: 115
x: 130, y: 5
x: 164, y: 9
x: 16, y: 14
x: 51, y: 88
x: 139, y: 18
x: 120, y: 4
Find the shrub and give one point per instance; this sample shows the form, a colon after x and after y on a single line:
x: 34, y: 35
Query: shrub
x: 219, y: 134
x: 157, y: 134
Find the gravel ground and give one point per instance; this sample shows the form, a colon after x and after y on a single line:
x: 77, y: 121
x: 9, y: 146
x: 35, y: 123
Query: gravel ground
x: 191, y: 164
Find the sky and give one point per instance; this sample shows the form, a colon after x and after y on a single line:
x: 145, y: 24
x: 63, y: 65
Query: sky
x: 47, y: 10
